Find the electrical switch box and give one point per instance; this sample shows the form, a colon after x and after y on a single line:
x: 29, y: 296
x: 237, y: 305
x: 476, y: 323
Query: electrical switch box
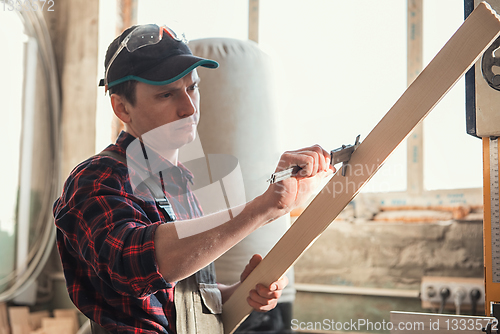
x: 468, y: 292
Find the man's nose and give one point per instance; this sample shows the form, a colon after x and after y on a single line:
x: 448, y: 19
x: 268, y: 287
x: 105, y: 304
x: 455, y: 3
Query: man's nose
x: 187, y: 106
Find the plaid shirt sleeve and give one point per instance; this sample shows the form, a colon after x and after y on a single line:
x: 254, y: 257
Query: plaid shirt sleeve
x: 105, y: 227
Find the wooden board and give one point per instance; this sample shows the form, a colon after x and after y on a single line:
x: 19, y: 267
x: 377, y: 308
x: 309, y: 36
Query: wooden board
x: 18, y: 316
x: 71, y: 314
x: 454, y: 59
x: 58, y: 325
x: 35, y: 319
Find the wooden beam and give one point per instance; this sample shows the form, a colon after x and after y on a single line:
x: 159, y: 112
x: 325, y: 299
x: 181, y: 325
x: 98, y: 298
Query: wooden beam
x: 415, y: 142
x: 414, y: 40
x: 73, y: 27
x: 253, y: 20
x: 4, y: 319
x: 127, y: 16
x: 127, y: 13
x: 454, y: 59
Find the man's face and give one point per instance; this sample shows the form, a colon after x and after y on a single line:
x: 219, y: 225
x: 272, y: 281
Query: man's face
x: 167, y: 114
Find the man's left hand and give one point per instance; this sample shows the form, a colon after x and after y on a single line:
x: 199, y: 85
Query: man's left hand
x: 263, y: 298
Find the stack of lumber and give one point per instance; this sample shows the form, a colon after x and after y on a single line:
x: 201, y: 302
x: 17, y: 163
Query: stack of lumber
x: 19, y: 320
x: 426, y: 214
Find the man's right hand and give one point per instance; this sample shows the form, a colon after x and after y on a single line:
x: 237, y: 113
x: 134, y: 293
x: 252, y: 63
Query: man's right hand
x: 295, y: 191
x: 200, y: 249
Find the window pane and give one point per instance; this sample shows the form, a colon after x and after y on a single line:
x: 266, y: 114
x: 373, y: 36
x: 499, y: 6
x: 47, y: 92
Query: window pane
x: 452, y: 159
x: 104, y: 112
x: 198, y: 18
x: 341, y: 65
x: 11, y: 102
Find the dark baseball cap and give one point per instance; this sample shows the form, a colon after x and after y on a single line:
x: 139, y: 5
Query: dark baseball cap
x: 160, y: 63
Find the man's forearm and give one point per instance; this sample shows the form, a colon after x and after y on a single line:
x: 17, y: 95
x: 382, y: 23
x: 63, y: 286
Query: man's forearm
x: 179, y: 255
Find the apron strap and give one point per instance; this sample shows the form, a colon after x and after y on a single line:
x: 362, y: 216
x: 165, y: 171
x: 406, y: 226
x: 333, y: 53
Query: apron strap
x: 159, y: 196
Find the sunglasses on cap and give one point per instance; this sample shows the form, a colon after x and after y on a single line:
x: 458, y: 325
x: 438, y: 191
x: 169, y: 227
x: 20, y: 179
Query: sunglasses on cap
x: 141, y: 36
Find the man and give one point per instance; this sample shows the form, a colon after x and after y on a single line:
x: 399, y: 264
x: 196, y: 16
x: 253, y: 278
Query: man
x: 126, y: 268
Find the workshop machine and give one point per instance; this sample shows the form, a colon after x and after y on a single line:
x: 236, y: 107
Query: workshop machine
x: 483, y: 122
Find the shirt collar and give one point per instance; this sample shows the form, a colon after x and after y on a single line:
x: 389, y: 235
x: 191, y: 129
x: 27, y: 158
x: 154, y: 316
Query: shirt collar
x: 131, y: 147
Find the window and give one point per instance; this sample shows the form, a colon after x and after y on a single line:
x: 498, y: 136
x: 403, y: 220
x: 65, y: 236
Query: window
x: 340, y: 67
x: 197, y: 19
x: 452, y: 159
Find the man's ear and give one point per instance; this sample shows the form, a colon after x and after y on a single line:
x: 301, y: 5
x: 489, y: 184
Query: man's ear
x: 120, y: 105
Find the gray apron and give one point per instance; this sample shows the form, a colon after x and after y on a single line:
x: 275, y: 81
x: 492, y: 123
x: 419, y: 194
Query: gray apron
x: 198, y: 303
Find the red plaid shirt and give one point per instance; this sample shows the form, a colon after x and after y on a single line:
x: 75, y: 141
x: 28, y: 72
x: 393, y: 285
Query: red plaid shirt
x: 105, y: 237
